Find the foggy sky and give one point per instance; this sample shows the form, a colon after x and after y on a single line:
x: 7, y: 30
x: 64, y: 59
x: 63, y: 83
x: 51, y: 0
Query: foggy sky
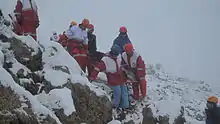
x: 182, y: 35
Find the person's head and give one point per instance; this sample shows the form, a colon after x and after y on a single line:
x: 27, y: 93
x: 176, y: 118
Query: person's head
x: 90, y: 28
x: 212, y: 102
x: 73, y: 23
x: 115, y: 50
x: 84, y: 24
x: 123, y: 30
x: 129, y: 49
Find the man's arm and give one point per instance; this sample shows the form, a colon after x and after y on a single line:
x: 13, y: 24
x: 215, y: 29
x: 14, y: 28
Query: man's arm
x: 141, y: 69
x: 100, y: 67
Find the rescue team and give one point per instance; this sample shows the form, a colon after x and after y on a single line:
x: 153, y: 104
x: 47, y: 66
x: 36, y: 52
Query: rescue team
x: 118, y: 64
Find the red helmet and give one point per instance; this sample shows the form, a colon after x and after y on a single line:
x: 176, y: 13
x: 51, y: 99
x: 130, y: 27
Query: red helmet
x: 123, y: 29
x: 128, y: 48
x: 90, y: 26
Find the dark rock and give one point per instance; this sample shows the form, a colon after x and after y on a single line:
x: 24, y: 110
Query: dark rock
x: 148, y: 116
x: 9, y: 102
x: 23, y: 54
x: 163, y: 119
x: 180, y: 119
x: 62, y: 68
x: 10, y: 106
x: 90, y: 108
x: 31, y: 87
x: 3, y: 38
x: 36, y: 78
x: 20, y: 73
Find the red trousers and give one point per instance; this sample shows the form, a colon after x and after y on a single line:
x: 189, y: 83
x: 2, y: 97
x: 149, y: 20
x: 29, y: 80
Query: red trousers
x: 78, y: 53
x: 139, y: 86
x: 29, y: 29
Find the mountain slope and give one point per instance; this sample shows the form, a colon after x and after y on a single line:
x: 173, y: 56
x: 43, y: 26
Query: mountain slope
x: 48, y: 84
x: 171, y: 99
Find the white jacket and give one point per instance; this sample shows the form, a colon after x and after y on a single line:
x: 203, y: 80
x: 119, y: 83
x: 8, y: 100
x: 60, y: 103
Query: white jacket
x: 76, y: 33
x: 28, y: 5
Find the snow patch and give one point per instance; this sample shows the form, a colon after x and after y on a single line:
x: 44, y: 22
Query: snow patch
x: 16, y: 66
x: 56, y: 55
x: 57, y: 99
x: 114, y: 122
x: 56, y: 78
x: 7, y: 81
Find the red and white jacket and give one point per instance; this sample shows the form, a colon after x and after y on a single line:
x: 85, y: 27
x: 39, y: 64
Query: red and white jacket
x: 26, y: 12
x: 111, y: 66
x: 135, y: 63
x: 75, y: 33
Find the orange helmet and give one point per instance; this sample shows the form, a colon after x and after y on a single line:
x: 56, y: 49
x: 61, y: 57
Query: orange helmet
x: 213, y: 99
x: 128, y: 48
x: 73, y: 23
x: 85, y: 22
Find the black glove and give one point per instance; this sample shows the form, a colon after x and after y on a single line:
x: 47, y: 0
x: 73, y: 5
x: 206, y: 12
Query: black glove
x: 1, y: 14
x: 37, y: 25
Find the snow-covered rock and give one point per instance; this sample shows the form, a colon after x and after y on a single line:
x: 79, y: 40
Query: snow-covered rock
x: 40, y: 111
x: 55, y: 100
x: 47, y: 77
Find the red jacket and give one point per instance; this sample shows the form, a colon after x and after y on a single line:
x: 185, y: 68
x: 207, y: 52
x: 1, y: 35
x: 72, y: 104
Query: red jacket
x: 111, y: 66
x: 26, y: 12
x: 135, y: 63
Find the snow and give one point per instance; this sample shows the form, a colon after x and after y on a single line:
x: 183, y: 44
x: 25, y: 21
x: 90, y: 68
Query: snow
x: 114, y: 122
x: 56, y: 78
x: 7, y: 81
x: 16, y: 66
x: 168, y: 94
x: 57, y: 99
x: 56, y: 55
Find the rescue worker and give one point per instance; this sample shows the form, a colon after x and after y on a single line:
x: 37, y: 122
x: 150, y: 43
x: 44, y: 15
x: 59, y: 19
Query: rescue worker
x: 132, y: 62
x: 212, y: 111
x: 73, y: 23
x: 64, y: 43
x: 110, y: 64
x: 27, y: 20
x: 122, y: 39
x: 77, y: 39
x: 94, y: 56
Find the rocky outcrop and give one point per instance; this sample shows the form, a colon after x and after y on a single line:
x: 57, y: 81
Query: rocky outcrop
x: 90, y: 108
x: 24, y: 62
x: 149, y: 118
x: 23, y: 54
x: 15, y: 111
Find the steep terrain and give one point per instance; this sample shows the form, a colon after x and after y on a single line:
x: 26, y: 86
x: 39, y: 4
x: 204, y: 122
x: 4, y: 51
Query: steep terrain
x: 43, y: 84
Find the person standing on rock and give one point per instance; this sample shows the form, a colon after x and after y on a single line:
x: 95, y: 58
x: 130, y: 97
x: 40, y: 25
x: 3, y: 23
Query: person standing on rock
x: 64, y: 43
x: 133, y: 63
x: 27, y: 20
x: 77, y: 39
x: 212, y: 111
x: 94, y: 56
x: 110, y: 64
x: 122, y: 38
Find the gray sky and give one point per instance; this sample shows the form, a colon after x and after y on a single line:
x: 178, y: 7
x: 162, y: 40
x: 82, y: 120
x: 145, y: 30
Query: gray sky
x: 183, y: 35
